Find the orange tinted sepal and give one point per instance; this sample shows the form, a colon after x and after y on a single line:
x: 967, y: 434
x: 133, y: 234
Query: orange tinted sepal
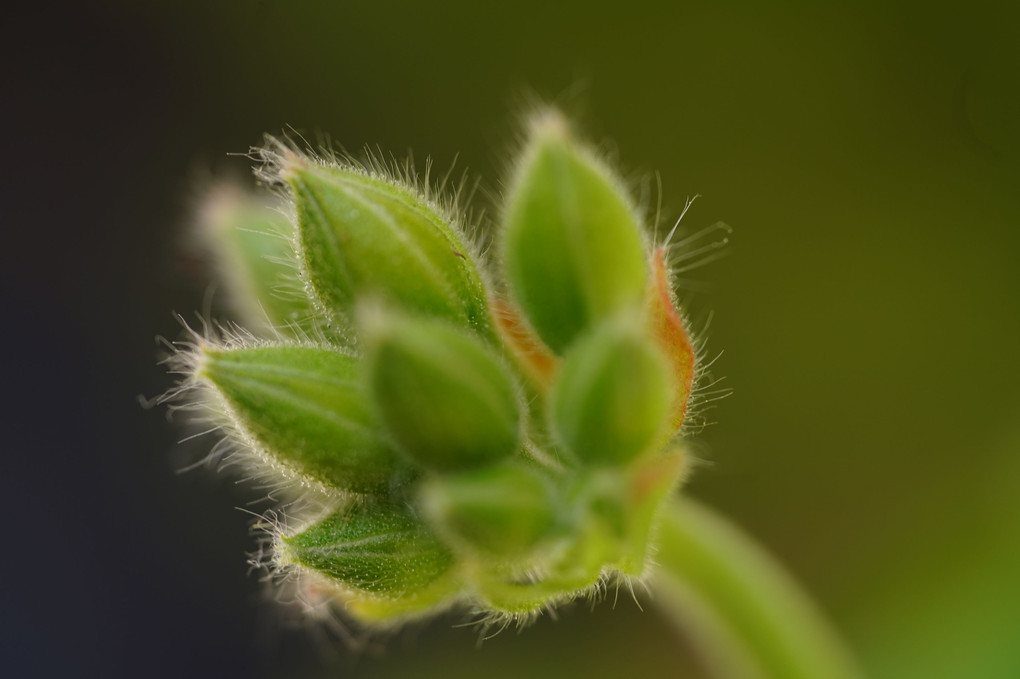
x: 538, y: 361
x: 668, y: 329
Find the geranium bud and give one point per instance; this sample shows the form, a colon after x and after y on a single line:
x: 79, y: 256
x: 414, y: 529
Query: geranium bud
x: 304, y: 408
x: 252, y: 244
x: 444, y: 396
x: 363, y: 235
x: 374, y: 549
x: 503, y: 511
x: 574, y: 253
x: 611, y: 401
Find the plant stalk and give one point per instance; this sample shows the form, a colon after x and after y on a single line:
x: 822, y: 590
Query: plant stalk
x: 743, y: 612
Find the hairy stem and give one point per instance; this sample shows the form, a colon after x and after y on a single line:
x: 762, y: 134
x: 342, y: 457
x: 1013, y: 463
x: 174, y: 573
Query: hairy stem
x: 745, y: 614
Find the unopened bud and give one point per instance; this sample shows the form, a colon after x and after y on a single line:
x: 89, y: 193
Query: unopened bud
x: 253, y: 249
x: 443, y: 395
x: 611, y: 401
x: 375, y: 549
x: 365, y: 236
x: 502, y: 511
x: 649, y: 486
x: 306, y: 409
x: 572, y: 244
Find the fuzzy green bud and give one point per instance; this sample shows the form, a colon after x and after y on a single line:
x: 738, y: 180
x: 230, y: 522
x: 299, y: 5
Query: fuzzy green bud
x: 506, y: 447
x: 251, y: 241
x: 574, y: 252
x: 375, y: 549
x: 306, y: 409
x: 444, y: 396
x: 502, y: 511
x: 365, y: 236
x: 612, y: 399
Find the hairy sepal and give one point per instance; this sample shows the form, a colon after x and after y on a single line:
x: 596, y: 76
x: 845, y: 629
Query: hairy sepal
x: 366, y: 236
x: 305, y: 407
x: 378, y: 550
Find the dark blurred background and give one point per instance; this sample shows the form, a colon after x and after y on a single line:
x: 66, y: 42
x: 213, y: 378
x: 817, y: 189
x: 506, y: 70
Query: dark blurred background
x: 867, y: 157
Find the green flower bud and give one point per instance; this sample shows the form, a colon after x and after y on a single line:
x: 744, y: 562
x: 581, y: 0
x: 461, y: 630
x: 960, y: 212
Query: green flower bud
x: 365, y: 236
x: 251, y: 243
x: 306, y: 409
x: 502, y: 511
x: 574, y: 253
x: 373, y: 549
x: 510, y: 447
x: 611, y: 402
x: 444, y: 396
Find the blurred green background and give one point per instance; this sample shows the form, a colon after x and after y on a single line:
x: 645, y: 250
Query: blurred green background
x: 866, y: 156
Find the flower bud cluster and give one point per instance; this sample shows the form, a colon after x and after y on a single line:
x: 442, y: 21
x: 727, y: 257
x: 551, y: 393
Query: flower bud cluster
x: 503, y: 446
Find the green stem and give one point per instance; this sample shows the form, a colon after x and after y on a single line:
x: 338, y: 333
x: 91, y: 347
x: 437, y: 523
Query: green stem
x: 744, y: 613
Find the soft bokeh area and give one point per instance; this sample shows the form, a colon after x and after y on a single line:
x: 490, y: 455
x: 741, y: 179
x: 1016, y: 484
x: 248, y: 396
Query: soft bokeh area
x: 867, y: 158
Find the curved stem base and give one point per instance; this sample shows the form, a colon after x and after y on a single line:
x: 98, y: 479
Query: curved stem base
x: 744, y: 613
